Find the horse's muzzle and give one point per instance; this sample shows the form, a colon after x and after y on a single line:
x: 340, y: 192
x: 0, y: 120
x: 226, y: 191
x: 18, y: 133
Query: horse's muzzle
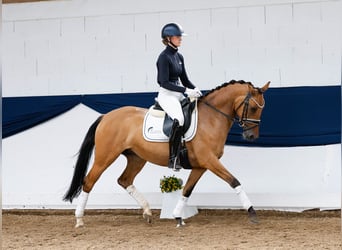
x: 249, y: 135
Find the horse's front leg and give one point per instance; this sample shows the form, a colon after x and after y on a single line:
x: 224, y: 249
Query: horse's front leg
x: 194, y: 176
x: 217, y: 168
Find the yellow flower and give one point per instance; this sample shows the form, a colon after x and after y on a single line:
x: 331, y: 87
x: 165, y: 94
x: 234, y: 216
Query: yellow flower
x: 170, y: 183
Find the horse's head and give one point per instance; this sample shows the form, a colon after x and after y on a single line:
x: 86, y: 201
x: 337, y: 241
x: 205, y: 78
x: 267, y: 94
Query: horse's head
x: 248, y: 109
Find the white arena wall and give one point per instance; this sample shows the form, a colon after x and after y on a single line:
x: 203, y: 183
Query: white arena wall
x: 102, y: 46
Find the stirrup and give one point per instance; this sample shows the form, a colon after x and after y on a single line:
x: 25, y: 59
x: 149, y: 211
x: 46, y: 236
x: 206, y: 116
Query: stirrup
x: 174, y: 164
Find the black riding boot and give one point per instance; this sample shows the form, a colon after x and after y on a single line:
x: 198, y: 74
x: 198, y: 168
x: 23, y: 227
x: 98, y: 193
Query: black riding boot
x: 174, y: 145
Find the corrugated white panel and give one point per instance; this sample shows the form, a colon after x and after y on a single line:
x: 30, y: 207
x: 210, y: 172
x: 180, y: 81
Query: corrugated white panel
x: 277, y: 15
x: 264, y: 40
x: 307, y: 13
x: 72, y: 26
x: 251, y: 16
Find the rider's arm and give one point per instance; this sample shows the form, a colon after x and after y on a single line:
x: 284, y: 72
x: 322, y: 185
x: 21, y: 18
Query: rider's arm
x: 184, y: 77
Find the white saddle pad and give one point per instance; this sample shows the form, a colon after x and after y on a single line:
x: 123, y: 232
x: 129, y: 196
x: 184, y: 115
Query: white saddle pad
x: 153, y: 126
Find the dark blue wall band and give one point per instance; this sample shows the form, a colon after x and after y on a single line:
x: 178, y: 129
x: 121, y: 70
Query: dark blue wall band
x: 293, y: 116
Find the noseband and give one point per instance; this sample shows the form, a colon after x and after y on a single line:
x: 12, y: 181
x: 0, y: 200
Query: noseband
x: 243, y: 120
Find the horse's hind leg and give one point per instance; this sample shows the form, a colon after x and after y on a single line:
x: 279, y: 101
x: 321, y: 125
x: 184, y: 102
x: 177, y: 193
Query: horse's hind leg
x: 94, y: 174
x: 134, y: 166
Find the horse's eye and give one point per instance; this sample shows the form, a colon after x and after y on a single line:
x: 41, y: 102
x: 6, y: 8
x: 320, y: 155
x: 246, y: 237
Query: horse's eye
x: 253, y: 109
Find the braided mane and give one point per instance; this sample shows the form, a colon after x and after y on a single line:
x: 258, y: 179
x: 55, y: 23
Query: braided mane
x: 229, y: 83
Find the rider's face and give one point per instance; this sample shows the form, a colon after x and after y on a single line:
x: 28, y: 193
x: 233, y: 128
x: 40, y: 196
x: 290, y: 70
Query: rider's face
x: 176, y: 40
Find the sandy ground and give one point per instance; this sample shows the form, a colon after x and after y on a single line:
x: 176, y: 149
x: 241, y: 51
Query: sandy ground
x: 210, y: 229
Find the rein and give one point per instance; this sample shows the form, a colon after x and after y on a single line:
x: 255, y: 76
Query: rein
x: 219, y: 111
x: 244, y: 117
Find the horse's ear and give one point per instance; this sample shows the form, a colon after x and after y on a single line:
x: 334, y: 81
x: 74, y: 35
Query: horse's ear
x: 263, y: 89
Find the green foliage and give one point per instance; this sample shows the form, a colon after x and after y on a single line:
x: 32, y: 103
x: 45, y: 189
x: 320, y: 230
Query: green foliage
x: 170, y: 183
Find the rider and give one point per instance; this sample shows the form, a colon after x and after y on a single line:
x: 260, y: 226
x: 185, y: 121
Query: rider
x: 174, y: 84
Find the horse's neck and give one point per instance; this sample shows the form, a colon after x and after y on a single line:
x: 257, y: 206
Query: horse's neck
x: 213, y: 120
x: 223, y: 99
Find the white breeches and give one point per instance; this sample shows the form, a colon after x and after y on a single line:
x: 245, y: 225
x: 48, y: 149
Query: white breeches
x: 170, y: 102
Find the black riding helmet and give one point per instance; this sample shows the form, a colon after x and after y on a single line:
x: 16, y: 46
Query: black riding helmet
x: 172, y: 29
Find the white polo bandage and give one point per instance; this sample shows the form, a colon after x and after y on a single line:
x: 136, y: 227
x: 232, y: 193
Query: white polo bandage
x: 138, y: 197
x: 178, y: 211
x: 83, y: 198
x: 246, y: 203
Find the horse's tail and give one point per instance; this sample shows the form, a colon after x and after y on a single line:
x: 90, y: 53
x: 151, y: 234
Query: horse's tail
x: 82, y: 162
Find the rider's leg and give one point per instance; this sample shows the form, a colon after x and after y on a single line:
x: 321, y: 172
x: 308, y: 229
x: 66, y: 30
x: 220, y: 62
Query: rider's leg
x: 170, y: 102
x: 174, y: 145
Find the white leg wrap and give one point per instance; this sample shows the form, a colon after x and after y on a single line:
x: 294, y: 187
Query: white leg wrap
x: 246, y: 203
x: 179, y: 209
x: 79, y: 212
x: 139, y: 198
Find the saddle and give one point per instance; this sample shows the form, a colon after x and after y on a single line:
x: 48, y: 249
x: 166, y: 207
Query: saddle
x: 157, y: 127
x: 187, y: 107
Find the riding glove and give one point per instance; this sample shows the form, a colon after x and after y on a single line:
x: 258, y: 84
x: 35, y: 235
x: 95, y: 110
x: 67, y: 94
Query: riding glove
x: 198, y: 91
x: 192, y: 93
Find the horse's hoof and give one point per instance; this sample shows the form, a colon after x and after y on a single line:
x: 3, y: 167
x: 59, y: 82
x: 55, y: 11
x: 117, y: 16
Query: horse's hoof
x: 147, y: 217
x: 180, y: 222
x: 254, y: 219
x: 79, y: 223
x: 253, y: 216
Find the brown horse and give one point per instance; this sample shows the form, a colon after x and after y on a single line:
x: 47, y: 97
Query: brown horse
x: 120, y: 132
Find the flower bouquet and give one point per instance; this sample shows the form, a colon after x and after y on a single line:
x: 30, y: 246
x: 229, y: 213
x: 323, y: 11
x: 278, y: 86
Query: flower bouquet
x: 171, y: 187
x: 170, y: 184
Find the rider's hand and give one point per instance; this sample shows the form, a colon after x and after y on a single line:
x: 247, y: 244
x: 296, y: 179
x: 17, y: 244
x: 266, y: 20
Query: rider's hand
x: 198, y: 91
x: 192, y: 93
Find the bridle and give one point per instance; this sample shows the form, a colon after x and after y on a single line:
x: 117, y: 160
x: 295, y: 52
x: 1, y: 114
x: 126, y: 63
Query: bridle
x: 243, y: 120
x: 244, y: 117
